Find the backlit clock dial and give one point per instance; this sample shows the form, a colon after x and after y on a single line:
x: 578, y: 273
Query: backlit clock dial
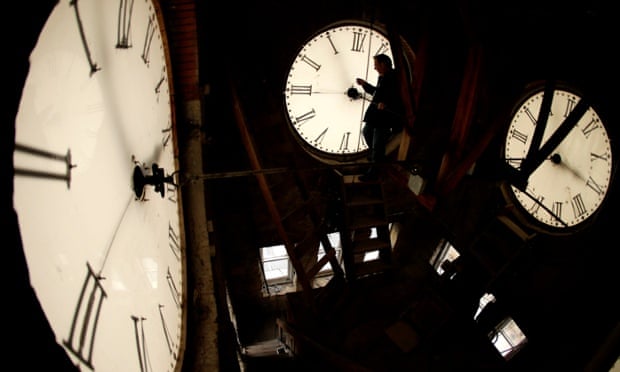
x: 324, y: 104
x: 96, y: 188
x: 561, y: 147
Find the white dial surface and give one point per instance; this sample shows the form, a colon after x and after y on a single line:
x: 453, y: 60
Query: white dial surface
x: 322, y: 110
x: 106, y: 264
x: 570, y: 184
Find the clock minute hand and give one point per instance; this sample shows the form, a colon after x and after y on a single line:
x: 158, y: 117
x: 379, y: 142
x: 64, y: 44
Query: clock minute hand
x: 535, y: 158
x: 543, y: 117
x: 327, y: 92
x: 541, y: 205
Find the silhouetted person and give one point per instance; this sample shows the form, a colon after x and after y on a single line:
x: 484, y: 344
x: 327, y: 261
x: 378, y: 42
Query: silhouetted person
x: 383, y: 115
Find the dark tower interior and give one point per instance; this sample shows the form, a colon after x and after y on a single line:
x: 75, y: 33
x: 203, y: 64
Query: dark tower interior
x: 468, y: 64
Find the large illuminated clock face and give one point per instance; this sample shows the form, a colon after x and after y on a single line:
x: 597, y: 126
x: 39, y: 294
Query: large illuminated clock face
x: 96, y: 186
x: 324, y: 105
x: 561, y: 155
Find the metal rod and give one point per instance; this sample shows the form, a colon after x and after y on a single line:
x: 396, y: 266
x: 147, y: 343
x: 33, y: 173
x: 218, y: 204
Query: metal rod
x: 252, y: 172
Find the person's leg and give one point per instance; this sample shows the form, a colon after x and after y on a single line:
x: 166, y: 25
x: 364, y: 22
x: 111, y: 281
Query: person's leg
x: 375, y: 138
x: 368, y: 132
x: 379, y: 143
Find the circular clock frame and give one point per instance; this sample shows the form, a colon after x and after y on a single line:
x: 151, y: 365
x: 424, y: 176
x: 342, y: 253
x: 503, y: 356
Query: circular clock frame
x: 324, y: 107
x: 573, y: 178
x: 105, y: 255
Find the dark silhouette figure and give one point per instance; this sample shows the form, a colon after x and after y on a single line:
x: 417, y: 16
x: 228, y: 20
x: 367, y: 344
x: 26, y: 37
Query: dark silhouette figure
x: 384, y: 114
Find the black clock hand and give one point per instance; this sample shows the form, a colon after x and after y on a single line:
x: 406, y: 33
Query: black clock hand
x: 540, y: 204
x: 535, y: 158
x: 543, y: 117
x: 352, y: 93
x: 116, y: 230
x: 328, y: 92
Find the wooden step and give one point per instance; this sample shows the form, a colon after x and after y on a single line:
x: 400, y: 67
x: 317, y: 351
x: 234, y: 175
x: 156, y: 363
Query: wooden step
x: 357, y: 200
x: 361, y: 222
x: 364, y: 209
x: 371, y: 267
x: 370, y: 245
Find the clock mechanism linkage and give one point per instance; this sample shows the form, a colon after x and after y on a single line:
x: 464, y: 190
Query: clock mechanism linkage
x: 157, y: 179
x: 353, y: 93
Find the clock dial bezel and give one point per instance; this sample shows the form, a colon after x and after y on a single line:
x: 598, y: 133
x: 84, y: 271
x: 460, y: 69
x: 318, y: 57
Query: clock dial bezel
x: 575, y: 169
x: 317, y: 87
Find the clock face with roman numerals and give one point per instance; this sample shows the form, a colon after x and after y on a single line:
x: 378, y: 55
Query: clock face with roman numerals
x: 323, y: 111
x: 95, y: 184
x: 561, y: 158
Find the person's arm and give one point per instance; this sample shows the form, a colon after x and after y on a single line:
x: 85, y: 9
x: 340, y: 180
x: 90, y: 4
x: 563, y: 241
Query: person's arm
x: 387, y: 96
x: 368, y: 88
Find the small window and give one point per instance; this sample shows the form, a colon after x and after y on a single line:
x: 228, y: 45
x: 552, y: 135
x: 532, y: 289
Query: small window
x: 445, y: 251
x: 508, y: 338
x: 276, y: 264
x: 371, y: 255
x: 370, y: 233
x: 278, y: 270
x: 334, y: 240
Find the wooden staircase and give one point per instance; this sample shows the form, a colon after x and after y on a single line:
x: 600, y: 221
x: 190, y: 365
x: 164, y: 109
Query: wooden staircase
x: 359, y: 214
x: 365, y: 230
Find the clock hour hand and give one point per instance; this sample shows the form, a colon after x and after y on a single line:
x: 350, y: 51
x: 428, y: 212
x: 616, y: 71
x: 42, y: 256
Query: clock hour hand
x: 311, y: 92
x: 352, y: 93
x: 534, y: 158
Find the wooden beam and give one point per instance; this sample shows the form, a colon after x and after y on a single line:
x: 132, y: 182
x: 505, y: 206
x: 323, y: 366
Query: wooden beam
x: 246, y: 137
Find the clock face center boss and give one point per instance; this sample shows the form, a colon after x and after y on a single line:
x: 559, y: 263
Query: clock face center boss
x: 158, y: 179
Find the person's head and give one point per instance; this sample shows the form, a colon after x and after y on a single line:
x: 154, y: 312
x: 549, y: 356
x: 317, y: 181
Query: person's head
x: 383, y: 63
